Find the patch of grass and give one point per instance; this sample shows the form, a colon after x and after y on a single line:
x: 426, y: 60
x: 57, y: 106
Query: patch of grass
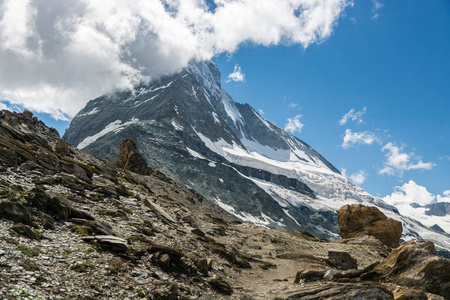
x: 95, y: 287
x: 112, y: 270
x: 128, y: 211
x: 140, y: 292
x: 81, y: 268
x: 82, y: 230
x: 94, y: 170
x: 119, y: 179
x: 29, y: 265
x: 20, y: 291
x: 30, y: 252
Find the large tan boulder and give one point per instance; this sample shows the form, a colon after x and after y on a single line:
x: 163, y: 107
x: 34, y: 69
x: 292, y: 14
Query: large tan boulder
x: 129, y: 158
x: 358, y: 220
x: 414, y: 264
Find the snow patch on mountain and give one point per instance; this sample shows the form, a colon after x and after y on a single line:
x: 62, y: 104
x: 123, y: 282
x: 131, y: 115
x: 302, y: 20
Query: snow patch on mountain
x: 92, y: 112
x: 231, y: 109
x: 195, y: 154
x: 177, y: 126
x: 263, y: 120
x: 115, y: 127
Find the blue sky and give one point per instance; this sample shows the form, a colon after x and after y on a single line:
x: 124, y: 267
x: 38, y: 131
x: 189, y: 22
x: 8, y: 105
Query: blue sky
x: 384, y: 63
x: 396, y: 65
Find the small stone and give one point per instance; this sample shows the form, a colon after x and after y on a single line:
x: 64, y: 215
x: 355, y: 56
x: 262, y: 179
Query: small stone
x: 202, y: 266
x: 309, y: 275
x: 164, y: 261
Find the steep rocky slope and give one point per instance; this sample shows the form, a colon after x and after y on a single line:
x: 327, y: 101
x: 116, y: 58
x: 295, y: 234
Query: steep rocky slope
x: 74, y: 226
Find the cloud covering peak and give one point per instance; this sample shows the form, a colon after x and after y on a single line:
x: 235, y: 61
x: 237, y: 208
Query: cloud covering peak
x: 56, y: 55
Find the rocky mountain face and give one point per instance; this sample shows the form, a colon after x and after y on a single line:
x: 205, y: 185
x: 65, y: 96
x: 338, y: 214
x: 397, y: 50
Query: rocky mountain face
x: 190, y: 129
x: 75, y: 226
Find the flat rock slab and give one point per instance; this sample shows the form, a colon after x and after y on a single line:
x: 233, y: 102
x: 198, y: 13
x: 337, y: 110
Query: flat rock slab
x: 316, y: 291
x: 108, y: 242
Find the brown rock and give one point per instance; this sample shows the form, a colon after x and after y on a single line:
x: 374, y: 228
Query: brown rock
x: 357, y: 220
x: 164, y: 261
x: 129, y: 158
x: 409, y: 294
x: 415, y: 264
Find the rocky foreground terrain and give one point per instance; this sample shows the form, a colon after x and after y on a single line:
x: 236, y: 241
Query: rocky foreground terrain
x: 74, y: 226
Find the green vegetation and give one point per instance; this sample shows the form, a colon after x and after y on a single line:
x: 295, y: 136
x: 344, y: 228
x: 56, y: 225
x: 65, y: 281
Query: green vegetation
x: 82, y: 230
x: 20, y: 291
x: 140, y: 292
x: 30, y: 252
x: 81, y: 268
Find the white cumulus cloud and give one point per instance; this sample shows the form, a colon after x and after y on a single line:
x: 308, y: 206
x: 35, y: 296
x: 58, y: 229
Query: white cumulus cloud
x: 408, y: 193
x: 294, y: 125
x: 56, y: 55
x: 444, y: 198
x: 354, y: 116
x: 237, y: 75
x: 398, y: 161
x: 354, y: 138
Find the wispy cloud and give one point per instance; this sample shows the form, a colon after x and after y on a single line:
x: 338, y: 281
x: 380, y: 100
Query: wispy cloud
x: 294, y: 125
x: 48, y: 67
x: 237, y: 75
x: 359, y: 138
x: 293, y: 104
x: 354, y: 116
x: 377, y: 6
x: 359, y: 177
x: 398, y: 161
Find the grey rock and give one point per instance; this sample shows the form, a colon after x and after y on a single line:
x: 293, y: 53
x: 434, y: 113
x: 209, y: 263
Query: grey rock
x: 15, y: 211
x: 342, y: 260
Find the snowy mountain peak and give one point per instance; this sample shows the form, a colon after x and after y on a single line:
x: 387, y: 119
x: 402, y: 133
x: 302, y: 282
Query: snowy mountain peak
x: 189, y: 128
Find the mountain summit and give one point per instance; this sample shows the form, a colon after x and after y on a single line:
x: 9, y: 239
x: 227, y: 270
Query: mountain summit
x: 189, y: 128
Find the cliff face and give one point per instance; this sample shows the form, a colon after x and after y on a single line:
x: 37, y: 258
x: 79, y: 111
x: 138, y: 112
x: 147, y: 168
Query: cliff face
x: 75, y: 226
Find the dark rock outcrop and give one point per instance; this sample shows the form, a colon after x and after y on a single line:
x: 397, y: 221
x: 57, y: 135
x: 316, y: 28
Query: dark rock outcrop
x: 358, y: 220
x: 129, y: 158
x: 342, y: 260
x: 15, y: 211
x: 221, y: 286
